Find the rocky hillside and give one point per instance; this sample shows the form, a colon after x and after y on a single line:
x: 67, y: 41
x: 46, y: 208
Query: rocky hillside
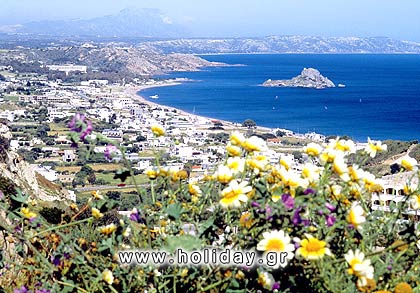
x: 309, y: 78
x: 288, y: 44
x: 110, y: 58
x: 15, y: 173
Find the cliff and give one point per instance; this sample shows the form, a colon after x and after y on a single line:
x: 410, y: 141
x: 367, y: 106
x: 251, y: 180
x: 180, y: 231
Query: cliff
x: 308, y: 78
x: 15, y: 173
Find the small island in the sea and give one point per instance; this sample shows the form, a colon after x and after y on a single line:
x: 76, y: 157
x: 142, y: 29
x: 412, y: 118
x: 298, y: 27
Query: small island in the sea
x: 309, y: 78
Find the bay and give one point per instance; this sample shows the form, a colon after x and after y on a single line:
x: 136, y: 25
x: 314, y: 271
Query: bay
x: 381, y: 99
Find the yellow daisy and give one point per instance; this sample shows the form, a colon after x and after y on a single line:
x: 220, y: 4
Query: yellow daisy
x: 224, y: 174
x: 286, y: 162
x: 372, y: 148
x: 235, y: 194
x: 355, y: 173
x: 356, y: 216
x: 313, y: 149
x: 27, y: 213
x: 408, y: 163
x: 246, y: 220
x: 359, y: 266
x: 236, y: 164
x: 277, y: 241
x: 254, y: 143
x: 152, y: 173
x: 157, y: 130
x: 257, y: 163
x: 233, y: 150
x: 97, y: 195
x: 108, y: 277
x: 340, y: 168
x: 108, y: 229
x: 311, y: 172
x: 312, y: 248
x: 194, y: 189
x: 96, y: 213
x: 347, y: 146
x: 266, y: 280
x: 237, y: 138
x: 415, y: 201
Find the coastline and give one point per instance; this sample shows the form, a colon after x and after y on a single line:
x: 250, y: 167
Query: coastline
x: 135, y: 93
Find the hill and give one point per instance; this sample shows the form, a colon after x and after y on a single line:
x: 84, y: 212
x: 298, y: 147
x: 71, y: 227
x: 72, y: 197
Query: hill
x: 288, y: 44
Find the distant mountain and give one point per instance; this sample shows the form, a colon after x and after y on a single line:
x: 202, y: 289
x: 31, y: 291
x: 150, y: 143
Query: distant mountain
x: 127, y: 23
x: 287, y: 44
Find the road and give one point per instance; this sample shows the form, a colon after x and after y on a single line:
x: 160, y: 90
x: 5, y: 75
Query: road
x: 102, y: 187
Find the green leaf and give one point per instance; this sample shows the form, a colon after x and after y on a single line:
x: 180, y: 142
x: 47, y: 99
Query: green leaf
x: 205, y: 226
x: 175, y: 211
x: 105, y: 244
x: 235, y: 284
x: 19, y: 197
x: 235, y: 290
x: 184, y: 242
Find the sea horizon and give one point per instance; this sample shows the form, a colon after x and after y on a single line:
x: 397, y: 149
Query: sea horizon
x: 381, y: 99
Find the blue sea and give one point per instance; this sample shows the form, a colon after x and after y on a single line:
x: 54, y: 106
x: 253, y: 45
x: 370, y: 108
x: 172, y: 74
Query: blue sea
x: 380, y: 100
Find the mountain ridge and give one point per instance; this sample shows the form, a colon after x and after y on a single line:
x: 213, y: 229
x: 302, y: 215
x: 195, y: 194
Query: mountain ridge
x: 127, y: 23
x: 287, y: 45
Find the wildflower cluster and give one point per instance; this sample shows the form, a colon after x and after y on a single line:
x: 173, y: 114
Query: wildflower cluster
x: 318, y: 216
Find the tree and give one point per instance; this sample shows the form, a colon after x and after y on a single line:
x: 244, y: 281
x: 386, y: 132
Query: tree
x: 42, y: 115
x: 91, y: 178
x: 280, y: 133
x: 112, y: 119
x: 249, y: 123
x: 28, y: 156
x: 115, y: 195
x: 42, y: 130
x: 140, y: 138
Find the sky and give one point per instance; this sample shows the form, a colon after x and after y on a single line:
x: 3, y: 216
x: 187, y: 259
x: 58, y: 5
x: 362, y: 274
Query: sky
x: 230, y: 18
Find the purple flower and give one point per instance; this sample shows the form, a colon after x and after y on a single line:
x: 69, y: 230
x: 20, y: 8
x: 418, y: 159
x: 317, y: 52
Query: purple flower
x: 255, y: 204
x: 110, y: 149
x: 76, y: 123
x: 22, y: 289
x: 276, y: 286
x: 269, y: 213
x: 330, y: 220
x: 309, y: 191
x: 288, y: 201
x: 18, y: 229
x: 56, y: 260
x: 330, y: 207
x: 297, y: 219
x: 135, y: 216
x: 87, y: 130
x: 389, y: 268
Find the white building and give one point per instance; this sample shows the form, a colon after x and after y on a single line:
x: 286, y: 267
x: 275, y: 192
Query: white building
x: 393, y: 194
x: 67, y: 68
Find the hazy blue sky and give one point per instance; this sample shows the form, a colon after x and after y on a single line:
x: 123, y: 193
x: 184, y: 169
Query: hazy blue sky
x: 397, y: 19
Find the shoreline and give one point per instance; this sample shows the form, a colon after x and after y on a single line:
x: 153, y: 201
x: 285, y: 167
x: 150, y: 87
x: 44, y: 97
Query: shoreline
x: 135, y: 93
